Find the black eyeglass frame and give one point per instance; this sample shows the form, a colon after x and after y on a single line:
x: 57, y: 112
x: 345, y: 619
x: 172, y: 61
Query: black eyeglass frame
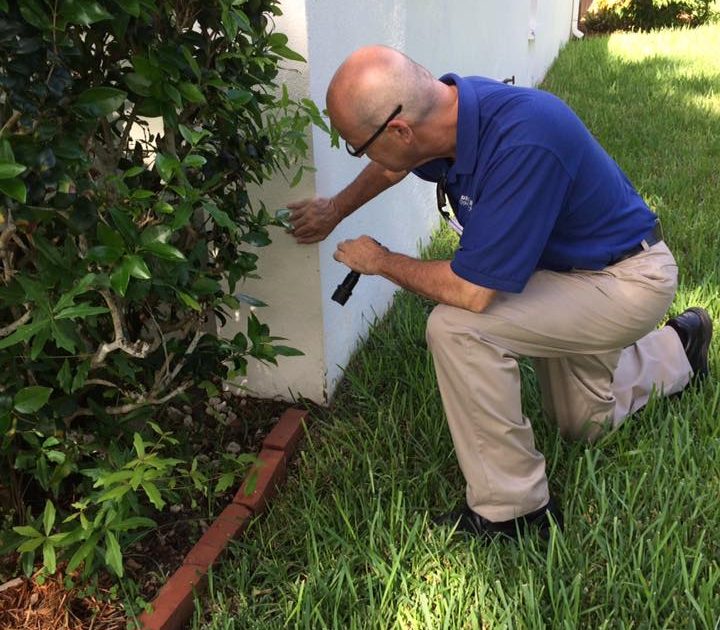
x: 360, y: 150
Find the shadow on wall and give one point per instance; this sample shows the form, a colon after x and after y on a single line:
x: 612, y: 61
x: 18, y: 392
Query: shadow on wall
x: 658, y: 117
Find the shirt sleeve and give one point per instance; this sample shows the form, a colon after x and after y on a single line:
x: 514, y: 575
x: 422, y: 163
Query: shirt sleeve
x: 517, y: 202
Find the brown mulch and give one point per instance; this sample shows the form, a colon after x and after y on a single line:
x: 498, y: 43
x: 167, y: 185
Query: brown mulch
x: 27, y: 605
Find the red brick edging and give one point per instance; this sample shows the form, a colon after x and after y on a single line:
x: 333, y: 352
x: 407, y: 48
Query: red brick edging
x: 173, y: 605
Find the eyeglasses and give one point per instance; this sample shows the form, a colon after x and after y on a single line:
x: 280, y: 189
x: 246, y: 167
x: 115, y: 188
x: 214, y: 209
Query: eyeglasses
x: 362, y: 148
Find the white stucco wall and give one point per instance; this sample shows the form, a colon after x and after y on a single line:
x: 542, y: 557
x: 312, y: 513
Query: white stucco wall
x: 484, y: 37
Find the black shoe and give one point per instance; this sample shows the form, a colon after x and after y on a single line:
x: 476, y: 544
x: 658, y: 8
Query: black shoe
x: 694, y: 327
x: 465, y: 520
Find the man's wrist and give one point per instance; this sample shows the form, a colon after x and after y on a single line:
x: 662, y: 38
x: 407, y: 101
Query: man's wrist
x: 383, y: 261
x: 340, y: 210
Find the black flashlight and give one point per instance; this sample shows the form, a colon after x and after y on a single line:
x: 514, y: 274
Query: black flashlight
x: 345, y: 288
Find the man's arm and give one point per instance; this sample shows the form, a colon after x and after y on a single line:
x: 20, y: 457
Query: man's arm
x: 314, y: 219
x: 432, y: 278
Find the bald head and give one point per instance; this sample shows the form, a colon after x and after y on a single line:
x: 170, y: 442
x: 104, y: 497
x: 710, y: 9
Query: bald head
x: 372, y: 82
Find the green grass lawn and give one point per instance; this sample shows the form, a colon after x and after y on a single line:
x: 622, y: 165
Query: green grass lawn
x: 347, y: 545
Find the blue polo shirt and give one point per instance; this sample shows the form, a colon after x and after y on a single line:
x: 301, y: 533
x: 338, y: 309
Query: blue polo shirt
x: 532, y: 188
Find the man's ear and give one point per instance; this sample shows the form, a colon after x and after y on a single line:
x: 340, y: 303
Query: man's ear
x: 402, y: 129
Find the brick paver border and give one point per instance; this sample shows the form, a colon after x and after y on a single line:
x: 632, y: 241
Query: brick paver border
x: 173, y: 605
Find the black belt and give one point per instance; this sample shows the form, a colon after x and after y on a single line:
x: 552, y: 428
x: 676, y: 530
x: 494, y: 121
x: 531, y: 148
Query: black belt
x: 651, y: 238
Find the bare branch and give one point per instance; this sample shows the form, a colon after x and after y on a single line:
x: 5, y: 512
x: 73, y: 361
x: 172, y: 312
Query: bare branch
x: 126, y: 131
x: 10, y: 122
x: 99, y: 381
x: 181, y: 362
x: 11, y: 328
x: 138, y: 349
x: 144, y: 402
x: 5, y: 236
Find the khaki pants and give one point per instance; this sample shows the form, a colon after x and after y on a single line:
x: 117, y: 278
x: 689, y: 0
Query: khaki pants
x: 598, y: 356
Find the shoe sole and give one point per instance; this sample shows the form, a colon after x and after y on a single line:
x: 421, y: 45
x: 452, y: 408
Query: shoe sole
x: 707, y: 325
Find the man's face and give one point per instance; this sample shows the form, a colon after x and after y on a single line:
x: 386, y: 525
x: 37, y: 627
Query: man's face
x: 389, y: 149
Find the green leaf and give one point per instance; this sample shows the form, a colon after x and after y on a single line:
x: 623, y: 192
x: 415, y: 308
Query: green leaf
x: 6, y: 152
x: 226, y: 480
x: 194, y: 161
x: 100, y: 101
x: 38, y: 343
x: 191, y: 92
x: 114, y: 493
x: 31, y: 545
x: 65, y: 377
x: 27, y: 531
x: 182, y: 216
x: 8, y: 171
x: 35, y: 14
x: 191, y: 136
x: 83, y: 552
x: 153, y: 494
x: 120, y: 278
x: 288, y: 53
x: 49, y: 558
x: 257, y: 238
x: 48, y: 517
x: 14, y: 188
x: 156, y: 234
x: 166, y: 166
x: 109, y: 237
x: 220, y: 217
x: 140, y: 194
x: 131, y: 7
x: 138, y: 268
x: 133, y: 171
x: 104, y: 254
x: 113, y: 478
x: 87, y: 282
x: 163, y: 207
x: 191, y: 61
x: 64, y: 334
x: 23, y: 333
x: 85, y: 12
x: 189, y: 300
x: 165, y: 251
x: 138, y: 83
x: 249, y: 299
x: 139, y: 445
x: 30, y: 399
x: 134, y: 522
x: 56, y: 457
x: 81, y: 310
x: 113, y: 555
x: 172, y: 93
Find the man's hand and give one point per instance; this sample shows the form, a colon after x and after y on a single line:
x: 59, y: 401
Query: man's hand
x: 313, y: 219
x: 364, y: 255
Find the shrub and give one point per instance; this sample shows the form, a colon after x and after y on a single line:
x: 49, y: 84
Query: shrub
x: 120, y: 244
x: 606, y: 16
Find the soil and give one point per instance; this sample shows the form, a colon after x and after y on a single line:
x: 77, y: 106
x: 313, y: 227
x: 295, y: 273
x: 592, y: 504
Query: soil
x: 210, y: 428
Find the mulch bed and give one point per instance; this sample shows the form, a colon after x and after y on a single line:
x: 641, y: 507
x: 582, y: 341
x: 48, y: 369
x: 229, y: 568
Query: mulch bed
x: 32, y: 606
x: 235, y: 424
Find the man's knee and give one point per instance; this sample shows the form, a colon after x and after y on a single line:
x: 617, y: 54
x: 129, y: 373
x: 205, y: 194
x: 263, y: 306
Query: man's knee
x: 441, y: 324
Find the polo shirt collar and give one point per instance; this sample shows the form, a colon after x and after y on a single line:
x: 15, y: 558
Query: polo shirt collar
x: 468, y: 125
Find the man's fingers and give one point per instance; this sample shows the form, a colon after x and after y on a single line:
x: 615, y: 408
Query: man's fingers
x: 296, y: 205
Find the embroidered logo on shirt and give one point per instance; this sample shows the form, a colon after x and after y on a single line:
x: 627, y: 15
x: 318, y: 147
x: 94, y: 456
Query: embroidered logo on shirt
x: 466, y: 202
